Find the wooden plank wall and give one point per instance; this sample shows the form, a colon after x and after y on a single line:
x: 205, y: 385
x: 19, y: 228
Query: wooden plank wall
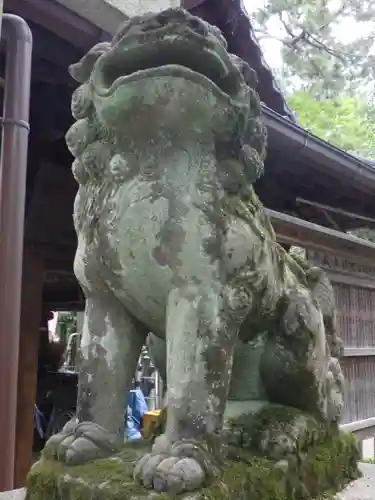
x: 350, y: 264
x: 354, y: 284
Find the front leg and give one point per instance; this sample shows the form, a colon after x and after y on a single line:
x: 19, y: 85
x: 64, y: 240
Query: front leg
x: 110, y: 349
x: 202, y: 327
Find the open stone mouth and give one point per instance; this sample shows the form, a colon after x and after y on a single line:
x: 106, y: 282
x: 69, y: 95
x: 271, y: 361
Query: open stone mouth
x: 169, y: 57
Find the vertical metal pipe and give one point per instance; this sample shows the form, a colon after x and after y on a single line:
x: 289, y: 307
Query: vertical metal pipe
x: 13, y: 165
x: 1, y: 13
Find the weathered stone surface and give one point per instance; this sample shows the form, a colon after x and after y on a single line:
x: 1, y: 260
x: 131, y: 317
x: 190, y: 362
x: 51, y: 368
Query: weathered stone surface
x: 321, y: 469
x: 173, y: 239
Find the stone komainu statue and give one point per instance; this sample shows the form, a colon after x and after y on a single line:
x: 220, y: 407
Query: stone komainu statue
x: 172, y: 239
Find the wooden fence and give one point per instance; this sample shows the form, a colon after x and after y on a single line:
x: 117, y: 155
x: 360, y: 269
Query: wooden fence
x: 350, y: 264
x: 354, y: 285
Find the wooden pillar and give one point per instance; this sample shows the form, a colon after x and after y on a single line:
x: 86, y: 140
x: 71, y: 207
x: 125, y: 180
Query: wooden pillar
x: 31, y: 307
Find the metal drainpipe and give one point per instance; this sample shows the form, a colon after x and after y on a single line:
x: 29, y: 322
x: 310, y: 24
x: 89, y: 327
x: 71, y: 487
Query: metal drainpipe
x: 13, y: 164
x: 1, y: 13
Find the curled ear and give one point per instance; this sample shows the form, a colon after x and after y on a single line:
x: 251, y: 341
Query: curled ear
x: 81, y: 70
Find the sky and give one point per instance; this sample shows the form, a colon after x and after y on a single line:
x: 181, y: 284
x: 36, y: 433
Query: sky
x: 53, y: 323
x: 271, y: 47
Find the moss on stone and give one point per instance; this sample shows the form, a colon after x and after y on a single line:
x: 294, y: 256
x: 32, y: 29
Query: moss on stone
x: 323, y: 468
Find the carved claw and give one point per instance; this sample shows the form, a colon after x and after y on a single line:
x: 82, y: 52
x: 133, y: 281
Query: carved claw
x: 167, y: 473
x: 182, y: 466
x: 82, y: 442
x: 53, y: 445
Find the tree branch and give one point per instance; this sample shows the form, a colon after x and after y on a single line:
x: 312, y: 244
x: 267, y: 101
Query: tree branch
x: 292, y: 40
x: 315, y: 42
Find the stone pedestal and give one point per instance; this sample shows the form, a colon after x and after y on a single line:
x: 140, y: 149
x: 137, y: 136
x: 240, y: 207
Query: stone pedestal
x: 323, y: 468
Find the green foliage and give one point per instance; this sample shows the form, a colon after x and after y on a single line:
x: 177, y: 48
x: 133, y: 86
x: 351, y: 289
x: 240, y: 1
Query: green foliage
x: 326, y: 44
x: 343, y: 121
x: 66, y: 324
x: 366, y: 234
x: 328, y: 62
x: 325, y: 73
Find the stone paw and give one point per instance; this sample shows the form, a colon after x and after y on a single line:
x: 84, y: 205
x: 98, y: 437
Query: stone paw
x: 182, y: 466
x: 82, y: 442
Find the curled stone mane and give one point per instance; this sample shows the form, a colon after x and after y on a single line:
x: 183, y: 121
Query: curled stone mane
x: 240, y: 156
x: 88, y: 139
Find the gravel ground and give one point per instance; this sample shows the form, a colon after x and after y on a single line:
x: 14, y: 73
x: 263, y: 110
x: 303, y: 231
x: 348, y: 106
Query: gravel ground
x: 361, y: 489
x: 13, y: 495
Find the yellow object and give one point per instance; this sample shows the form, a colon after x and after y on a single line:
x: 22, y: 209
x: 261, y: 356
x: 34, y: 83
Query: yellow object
x: 150, y: 421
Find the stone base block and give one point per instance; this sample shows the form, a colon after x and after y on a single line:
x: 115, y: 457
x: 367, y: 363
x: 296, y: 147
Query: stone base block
x: 322, y: 470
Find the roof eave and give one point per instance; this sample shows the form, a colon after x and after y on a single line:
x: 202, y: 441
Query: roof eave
x: 325, y: 156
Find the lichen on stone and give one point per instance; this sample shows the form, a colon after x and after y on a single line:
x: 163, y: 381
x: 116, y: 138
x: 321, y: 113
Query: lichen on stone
x: 173, y: 239
x: 319, y: 470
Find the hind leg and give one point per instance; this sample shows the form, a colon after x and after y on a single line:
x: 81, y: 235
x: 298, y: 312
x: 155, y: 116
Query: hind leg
x: 202, y: 327
x: 111, y: 345
x: 296, y: 364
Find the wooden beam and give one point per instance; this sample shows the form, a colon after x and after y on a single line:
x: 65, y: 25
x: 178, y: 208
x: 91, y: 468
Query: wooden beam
x: 362, y: 429
x: 299, y: 232
x: 48, y: 46
x: 351, y: 352
x: 191, y: 4
x: 66, y: 306
x: 340, y: 277
x: 289, y: 230
x: 47, y: 72
x: 60, y: 20
x: 339, y: 211
x: 31, y: 306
